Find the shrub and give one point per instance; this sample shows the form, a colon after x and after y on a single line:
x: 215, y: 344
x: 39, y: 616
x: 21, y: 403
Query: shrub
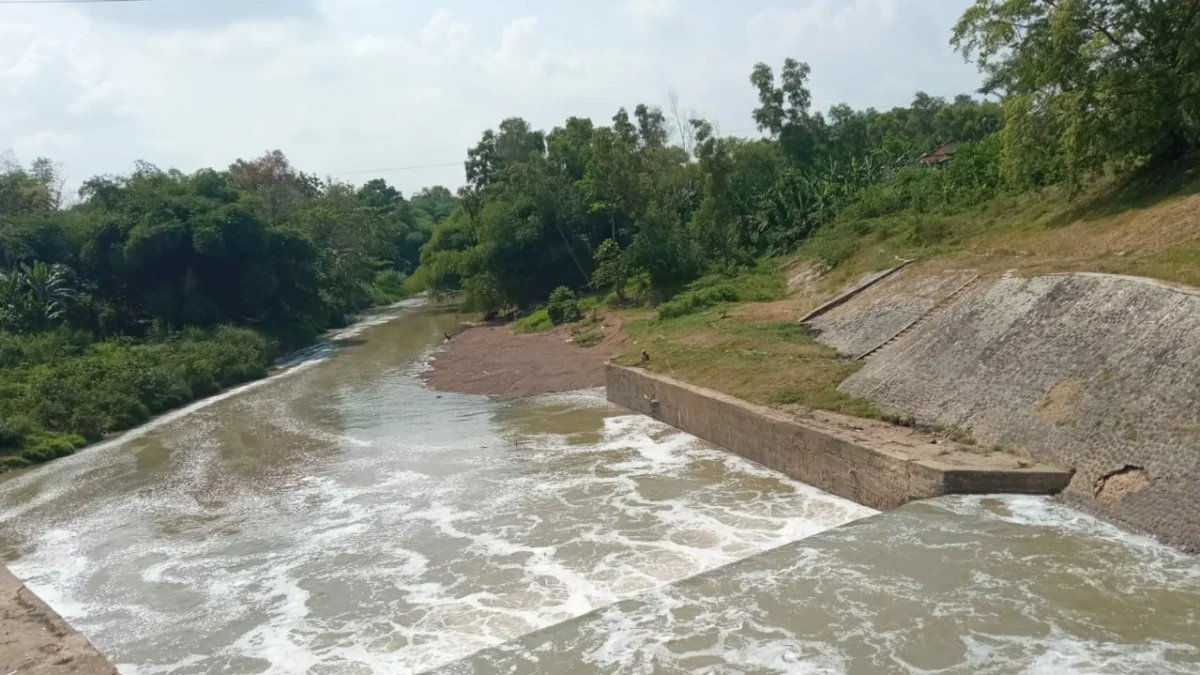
x: 589, y: 339
x: 764, y: 284
x: 563, y: 307
x: 55, y: 396
x: 534, y: 323
x: 388, y: 287
x: 833, y: 246
x: 588, y: 304
x: 691, y: 301
x: 10, y: 437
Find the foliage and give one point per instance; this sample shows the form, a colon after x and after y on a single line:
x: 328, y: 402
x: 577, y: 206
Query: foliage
x: 34, y: 297
x: 109, y: 288
x: 604, y: 208
x: 534, y: 323
x: 1088, y: 82
x: 563, y: 307
x: 763, y: 284
x: 588, y: 304
x: 123, y: 304
x: 61, y: 390
x: 612, y: 269
x: 589, y: 338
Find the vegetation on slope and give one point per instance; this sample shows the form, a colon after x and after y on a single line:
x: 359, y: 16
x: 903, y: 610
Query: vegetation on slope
x: 1098, y: 117
x: 125, y: 304
x: 1099, y: 102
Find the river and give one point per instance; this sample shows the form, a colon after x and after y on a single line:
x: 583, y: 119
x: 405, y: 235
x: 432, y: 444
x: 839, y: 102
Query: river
x: 342, y: 518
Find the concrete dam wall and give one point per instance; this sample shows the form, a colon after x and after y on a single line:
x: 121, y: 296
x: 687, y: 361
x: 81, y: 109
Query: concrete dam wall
x: 1095, y: 373
x: 870, y: 462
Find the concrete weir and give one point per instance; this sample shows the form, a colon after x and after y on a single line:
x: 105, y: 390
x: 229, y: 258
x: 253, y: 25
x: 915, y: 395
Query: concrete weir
x: 37, y: 640
x: 872, y: 463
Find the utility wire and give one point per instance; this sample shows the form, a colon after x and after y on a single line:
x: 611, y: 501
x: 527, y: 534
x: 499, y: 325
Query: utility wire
x: 398, y: 168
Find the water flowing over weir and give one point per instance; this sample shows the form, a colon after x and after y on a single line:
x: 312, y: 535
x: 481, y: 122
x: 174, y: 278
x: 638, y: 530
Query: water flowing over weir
x: 342, y: 518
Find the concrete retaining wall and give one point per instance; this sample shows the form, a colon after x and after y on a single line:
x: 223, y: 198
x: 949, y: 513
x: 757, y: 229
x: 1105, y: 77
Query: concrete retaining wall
x: 872, y: 474
x: 1096, y: 373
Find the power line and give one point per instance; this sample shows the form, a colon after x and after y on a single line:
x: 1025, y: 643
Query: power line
x: 396, y: 168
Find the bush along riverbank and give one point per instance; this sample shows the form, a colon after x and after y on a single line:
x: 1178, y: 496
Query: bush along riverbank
x: 159, y: 288
x: 61, y: 391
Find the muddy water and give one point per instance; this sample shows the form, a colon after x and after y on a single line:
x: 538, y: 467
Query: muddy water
x: 964, y: 585
x: 341, y: 518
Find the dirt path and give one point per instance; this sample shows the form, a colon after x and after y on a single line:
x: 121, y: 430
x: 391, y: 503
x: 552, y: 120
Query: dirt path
x: 494, y: 361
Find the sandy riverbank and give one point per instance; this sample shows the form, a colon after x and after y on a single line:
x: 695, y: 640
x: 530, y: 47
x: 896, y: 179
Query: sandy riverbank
x: 37, y: 640
x: 494, y: 361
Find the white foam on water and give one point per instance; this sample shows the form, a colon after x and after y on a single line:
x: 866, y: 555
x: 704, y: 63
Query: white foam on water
x: 62, y: 474
x: 497, y: 569
x: 405, y: 547
x: 1063, y: 654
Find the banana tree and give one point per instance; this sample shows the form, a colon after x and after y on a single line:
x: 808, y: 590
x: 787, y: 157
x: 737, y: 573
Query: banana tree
x: 34, y: 297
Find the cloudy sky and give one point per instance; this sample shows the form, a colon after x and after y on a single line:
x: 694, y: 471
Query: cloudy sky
x: 349, y: 86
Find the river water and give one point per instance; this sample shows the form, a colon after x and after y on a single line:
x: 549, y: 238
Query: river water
x: 342, y: 518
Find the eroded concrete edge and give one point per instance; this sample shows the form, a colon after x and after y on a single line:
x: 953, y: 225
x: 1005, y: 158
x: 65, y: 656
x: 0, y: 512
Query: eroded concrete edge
x: 876, y: 477
x: 37, y: 640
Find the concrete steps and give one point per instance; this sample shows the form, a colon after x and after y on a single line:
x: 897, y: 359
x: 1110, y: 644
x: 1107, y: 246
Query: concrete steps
x: 937, y: 307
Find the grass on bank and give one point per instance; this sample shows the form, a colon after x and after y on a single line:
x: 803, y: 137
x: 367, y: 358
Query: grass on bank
x: 62, y: 390
x: 59, y: 391
x: 738, y: 335
x: 765, y: 362
x: 1146, y: 224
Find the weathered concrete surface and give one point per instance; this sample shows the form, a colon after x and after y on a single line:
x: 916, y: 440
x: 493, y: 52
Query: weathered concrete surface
x: 872, y: 463
x: 36, y: 639
x: 845, y: 296
x: 1096, y: 373
x: 869, y: 320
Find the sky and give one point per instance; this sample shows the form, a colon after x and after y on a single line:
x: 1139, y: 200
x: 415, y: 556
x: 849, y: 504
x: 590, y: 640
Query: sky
x: 348, y: 87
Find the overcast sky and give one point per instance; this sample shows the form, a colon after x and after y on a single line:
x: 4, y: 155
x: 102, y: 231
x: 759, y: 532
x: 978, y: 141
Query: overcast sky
x: 343, y: 86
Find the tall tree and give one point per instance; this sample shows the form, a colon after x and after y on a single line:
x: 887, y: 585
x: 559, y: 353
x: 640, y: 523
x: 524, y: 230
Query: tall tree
x: 1097, y: 79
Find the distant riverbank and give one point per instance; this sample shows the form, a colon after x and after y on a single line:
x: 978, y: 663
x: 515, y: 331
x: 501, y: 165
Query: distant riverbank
x: 62, y: 392
x: 494, y: 361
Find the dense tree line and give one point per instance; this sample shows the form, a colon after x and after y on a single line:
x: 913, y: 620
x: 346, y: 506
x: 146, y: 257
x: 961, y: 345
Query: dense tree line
x: 259, y: 244
x: 662, y: 202
x: 159, y: 287
x: 656, y: 202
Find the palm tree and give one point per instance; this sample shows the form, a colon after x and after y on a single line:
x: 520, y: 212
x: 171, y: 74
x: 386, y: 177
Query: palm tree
x: 35, y: 297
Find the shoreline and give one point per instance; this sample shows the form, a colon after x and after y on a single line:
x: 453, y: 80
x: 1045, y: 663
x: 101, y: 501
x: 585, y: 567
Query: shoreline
x: 321, y: 348
x: 493, y: 361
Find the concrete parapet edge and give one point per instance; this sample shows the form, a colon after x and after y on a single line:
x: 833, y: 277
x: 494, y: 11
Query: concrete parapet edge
x: 841, y: 464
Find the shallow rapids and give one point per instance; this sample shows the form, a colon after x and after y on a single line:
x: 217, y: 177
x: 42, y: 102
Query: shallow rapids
x: 342, y: 518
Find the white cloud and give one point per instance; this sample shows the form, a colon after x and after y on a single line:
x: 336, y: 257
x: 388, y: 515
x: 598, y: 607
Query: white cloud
x: 823, y: 25
x: 343, y: 85
x: 443, y: 29
x: 645, y: 11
